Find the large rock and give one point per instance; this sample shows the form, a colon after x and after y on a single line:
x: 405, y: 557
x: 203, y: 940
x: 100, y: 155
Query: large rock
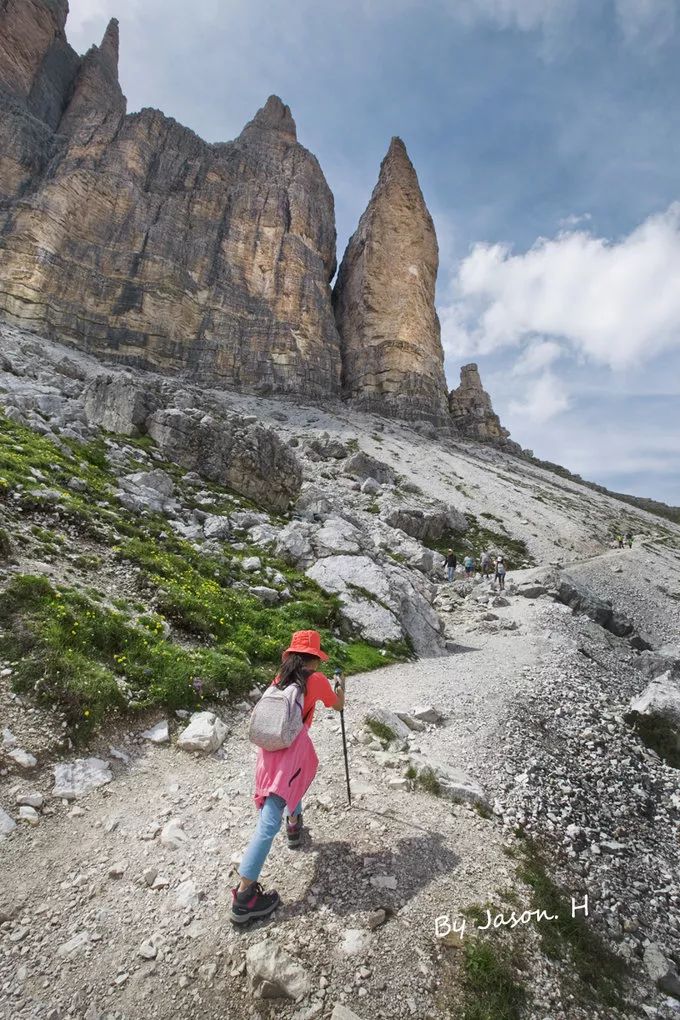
x: 270, y: 968
x: 660, y: 699
x: 454, y: 783
x: 425, y: 524
x: 361, y: 465
x: 582, y: 600
x: 390, y: 719
x: 382, y: 601
x: 135, y: 239
x: 663, y: 973
x: 118, y: 404
x: 393, y: 360
x: 247, y: 458
x: 77, y: 778
x: 471, y: 410
x: 205, y: 733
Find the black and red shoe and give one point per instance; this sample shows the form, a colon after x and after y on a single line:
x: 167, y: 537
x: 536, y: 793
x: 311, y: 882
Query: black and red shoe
x: 294, y: 832
x: 252, y: 903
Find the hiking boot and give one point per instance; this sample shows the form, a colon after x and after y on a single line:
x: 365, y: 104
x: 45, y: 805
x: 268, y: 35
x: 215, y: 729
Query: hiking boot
x: 294, y: 832
x: 252, y: 903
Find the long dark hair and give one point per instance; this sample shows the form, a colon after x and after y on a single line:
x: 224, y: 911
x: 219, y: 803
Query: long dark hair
x: 296, y: 669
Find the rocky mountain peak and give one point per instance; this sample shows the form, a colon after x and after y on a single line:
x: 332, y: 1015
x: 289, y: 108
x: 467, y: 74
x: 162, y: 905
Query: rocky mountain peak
x: 384, y: 299
x: 274, y: 116
x: 109, y: 46
x: 471, y: 408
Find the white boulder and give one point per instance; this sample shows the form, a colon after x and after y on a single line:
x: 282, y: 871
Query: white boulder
x: 268, y: 965
x: 75, y: 779
x: 158, y: 734
x: 205, y: 733
x: 7, y: 823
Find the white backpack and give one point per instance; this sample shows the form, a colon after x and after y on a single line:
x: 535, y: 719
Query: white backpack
x: 276, y: 719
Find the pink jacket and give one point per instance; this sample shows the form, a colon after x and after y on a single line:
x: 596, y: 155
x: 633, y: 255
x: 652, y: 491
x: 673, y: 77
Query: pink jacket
x: 288, y: 773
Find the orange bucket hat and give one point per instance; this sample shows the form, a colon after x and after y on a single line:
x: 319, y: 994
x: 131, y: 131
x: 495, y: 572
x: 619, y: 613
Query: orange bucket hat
x: 306, y: 642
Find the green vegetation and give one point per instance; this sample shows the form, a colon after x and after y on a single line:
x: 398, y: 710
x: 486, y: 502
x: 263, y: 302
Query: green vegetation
x: 429, y: 782
x: 479, y: 538
x: 489, y: 985
x: 594, y: 969
x: 190, y: 629
x: 381, y: 730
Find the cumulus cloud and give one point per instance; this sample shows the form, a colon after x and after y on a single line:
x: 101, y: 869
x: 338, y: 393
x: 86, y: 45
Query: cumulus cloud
x: 615, y: 302
x: 544, y: 398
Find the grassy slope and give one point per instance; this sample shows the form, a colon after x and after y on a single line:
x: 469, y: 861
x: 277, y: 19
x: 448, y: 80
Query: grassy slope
x: 182, y: 632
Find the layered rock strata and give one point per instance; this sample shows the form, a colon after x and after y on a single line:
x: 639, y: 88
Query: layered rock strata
x: 471, y: 410
x: 143, y: 243
x: 384, y: 300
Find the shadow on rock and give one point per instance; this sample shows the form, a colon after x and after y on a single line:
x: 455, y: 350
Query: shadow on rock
x: 345, y: 881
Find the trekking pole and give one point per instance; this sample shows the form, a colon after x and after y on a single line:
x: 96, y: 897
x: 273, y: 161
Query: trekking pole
x: 344, y: 740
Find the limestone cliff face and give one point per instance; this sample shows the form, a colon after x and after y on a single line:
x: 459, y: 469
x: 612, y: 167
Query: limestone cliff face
x: 144, y: 243
x: 471, y: 410
x: 384, y: 300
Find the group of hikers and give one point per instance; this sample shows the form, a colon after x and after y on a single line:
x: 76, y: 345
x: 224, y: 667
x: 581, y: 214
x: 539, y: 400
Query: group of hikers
x: 488, y: 565
x: 626, y: 539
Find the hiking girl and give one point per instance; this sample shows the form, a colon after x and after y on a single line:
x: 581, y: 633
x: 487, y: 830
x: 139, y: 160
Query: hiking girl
x: 283, y: 777
x: 500, y: 573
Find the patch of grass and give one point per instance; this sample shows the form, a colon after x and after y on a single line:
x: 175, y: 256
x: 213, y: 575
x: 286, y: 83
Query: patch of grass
x: 594, y: 969
x: 429, y: 782
x: 373, y: 508
x: 381, y: 730
x: 5, y: 545
x: 657, y: 734
x: 92, y: 660
x: 478, y: 539
x: 70, y: 640
x: 490, y: 987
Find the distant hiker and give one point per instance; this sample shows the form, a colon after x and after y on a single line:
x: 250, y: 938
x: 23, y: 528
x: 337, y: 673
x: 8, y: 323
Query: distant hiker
x: 282, y: 777
x: 451, y: 564
x: 629, y: 539
x: 619, y: 539
x: 486, y: 564
x: 469, y: 565
x: 500, y: 573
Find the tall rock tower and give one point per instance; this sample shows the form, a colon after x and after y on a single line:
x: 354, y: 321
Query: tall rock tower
x: 133, y: 239
x: 384, y: 300
x: 471, y: 409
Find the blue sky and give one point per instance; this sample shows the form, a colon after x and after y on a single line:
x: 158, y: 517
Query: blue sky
x: 546, y: 135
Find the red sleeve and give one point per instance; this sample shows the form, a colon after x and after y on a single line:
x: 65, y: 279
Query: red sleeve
x: 319, y: 688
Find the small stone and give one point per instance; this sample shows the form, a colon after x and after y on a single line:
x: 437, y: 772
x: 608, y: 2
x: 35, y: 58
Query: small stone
x: 149, y: 875
x: 22, y: 758
x: 384, y: 881
x: 34, y: 800
x: 173, y: 835
x: 117, y: 870
x: 29, y: 815
x: 376, y: 918
x: 147, y: 951
x: 158, y: 734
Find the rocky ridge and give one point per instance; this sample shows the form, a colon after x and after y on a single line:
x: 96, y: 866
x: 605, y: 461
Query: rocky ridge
x: 131, y: 238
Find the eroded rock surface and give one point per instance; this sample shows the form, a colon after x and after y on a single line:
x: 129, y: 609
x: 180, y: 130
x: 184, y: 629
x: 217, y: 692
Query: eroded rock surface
x: 471, y: 409
x: 384, y: 300
x: 148, y: 245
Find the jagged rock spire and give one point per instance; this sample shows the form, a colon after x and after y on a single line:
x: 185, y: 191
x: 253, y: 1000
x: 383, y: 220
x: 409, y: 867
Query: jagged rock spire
x: 384, y: 300
x: 471, y: 409
x: 274, y: 116
x: 97, y: 96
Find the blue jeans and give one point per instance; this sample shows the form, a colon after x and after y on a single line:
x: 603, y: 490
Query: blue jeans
x: 268, y: 824
x: 451, y: 572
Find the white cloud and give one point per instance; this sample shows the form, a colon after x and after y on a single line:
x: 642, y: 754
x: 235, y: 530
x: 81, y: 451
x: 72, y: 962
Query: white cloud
x: 545, y: 398
x: 617, y: 303
x: 537, y: 356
